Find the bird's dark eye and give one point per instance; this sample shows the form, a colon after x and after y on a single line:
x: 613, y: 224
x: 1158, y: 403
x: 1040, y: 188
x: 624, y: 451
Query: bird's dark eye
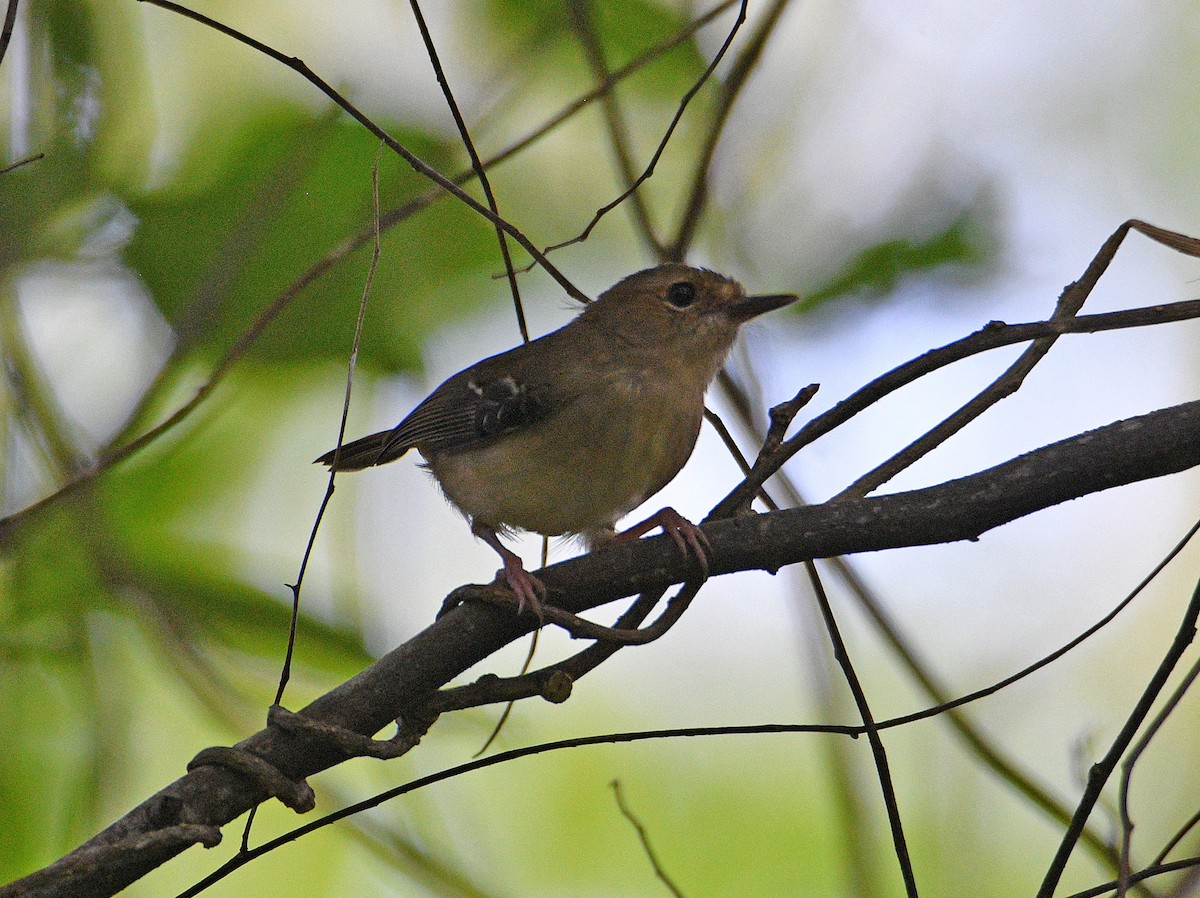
x: 681, y: 294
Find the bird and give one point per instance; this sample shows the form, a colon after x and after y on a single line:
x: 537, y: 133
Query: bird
x: 568, y: 433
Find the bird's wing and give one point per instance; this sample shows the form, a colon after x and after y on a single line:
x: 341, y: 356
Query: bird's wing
x: 475, y: 407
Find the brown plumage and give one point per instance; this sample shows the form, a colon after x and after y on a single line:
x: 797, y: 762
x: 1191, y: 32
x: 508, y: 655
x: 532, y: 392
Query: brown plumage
x: 570, y: 432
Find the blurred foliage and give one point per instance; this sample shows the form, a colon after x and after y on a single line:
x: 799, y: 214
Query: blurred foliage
x: 964, y: 245
x: 625, y: 28
x: 215, y: 249
x: 146, y: 561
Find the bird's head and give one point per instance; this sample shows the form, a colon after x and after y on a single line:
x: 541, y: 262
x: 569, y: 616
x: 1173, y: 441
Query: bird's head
x: 692, y: 312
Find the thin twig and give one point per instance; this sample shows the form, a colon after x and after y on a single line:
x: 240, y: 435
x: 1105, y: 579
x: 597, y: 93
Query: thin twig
x: 618, y: 132
x: 476, y: 165
x: 644, y: 838
x: 662, y: 145
x: 1127, y: 767
x: 488, y: 690
x: 351, y: 367
x: 285, y: 671
x: 26, y: 161
x: 1099, y: 772
x: 581, y: 628
x: 1178, y: 837
x: 878, y: 752
x: 1069, y: 304
x: 1190, y: 864
x: 994, y: 335
x: 736, y: 453
x: 240, y: 860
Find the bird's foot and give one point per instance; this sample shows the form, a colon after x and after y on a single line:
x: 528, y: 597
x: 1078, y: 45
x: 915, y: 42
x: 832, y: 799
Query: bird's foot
x: 529, y: 590
x: 688, y: 536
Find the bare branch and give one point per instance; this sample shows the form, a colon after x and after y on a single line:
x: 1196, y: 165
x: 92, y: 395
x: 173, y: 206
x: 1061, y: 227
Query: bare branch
x: 477, y: 165
x: 401, y: 683
x: 1099, y: 772
x: 878, y: 752
x: 1069, y: 304
x: 993, y: 335
x: 648, y: 172
x: 37, y: 157
x: 644, y: 838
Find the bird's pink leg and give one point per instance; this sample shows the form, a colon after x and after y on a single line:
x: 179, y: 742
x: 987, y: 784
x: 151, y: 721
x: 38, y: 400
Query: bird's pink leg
x: 529, y: 590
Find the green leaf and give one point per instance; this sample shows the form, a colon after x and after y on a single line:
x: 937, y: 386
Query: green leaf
x: 72, y: 32
x: 44, y: 707
x: 541, y: 35
x: 41, y: 202
x: 173, y: 519
x: 967, y: 242
x: 51, y: 579
x: 220, y: 610
x: 228, y: 236
x: 628, y: 28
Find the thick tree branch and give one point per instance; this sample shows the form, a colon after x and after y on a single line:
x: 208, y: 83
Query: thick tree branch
x: 401, y: 683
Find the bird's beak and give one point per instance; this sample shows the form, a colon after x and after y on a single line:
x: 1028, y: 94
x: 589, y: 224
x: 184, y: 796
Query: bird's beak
x: 753, y: 306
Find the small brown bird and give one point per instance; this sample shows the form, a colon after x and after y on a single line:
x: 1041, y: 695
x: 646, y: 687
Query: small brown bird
x: 569, y: 433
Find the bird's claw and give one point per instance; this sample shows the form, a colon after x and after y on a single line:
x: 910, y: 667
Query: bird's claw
x: 529, y: 590
x: 690, y: 539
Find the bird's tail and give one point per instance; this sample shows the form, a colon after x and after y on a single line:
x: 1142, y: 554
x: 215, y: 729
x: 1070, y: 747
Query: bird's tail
x: 364, y: 452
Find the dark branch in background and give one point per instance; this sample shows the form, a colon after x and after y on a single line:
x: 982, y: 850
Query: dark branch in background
x: 1130, y: 761
x: 1173, y: 842
x: 10, y: 18
x: 662, y: 145
x: 1151, y: 871
x: 618, y: 133
x: 731, y: 89
x: 878, y: 753
x: 34, y: 158
x: 401, y: 683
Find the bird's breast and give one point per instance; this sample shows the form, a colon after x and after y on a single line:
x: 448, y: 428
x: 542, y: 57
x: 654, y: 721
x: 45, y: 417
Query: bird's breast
x: 586, y: 465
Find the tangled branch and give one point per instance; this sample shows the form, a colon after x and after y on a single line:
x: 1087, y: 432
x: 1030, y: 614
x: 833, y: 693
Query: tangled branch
x: 406, y: 680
